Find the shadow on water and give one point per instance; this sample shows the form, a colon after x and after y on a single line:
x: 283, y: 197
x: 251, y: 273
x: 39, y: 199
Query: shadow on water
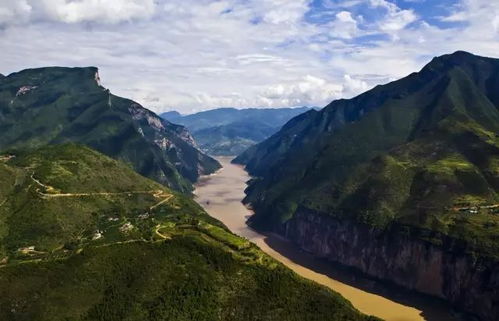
x: 433, y: 309
x: 221, y: 196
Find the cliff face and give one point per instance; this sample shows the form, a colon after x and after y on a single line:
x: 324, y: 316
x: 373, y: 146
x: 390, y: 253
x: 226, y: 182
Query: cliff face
x: 415, y: 163
x: 470, y: 283
x: 57, y: 105
x: 427, y: 141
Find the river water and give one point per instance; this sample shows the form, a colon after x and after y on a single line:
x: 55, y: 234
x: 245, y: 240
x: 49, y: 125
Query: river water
x: 221, y: 194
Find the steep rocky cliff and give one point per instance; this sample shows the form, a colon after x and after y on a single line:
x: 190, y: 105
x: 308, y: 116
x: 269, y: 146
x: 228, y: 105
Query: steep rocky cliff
x: 406, y: 176
x: 56, y: 105
x: 471, y: 283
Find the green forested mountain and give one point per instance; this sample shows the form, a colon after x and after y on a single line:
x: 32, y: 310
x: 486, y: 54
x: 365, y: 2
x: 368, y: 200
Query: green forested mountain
x: 419, y: 152
x: 83, y: 237
x: 230, y: 131
x: 56, y: 105
x: 234, y: 138
x: 170, y: 115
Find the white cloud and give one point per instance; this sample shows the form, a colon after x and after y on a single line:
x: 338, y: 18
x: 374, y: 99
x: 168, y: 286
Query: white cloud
x: 248, y: 59
x: 284, y: 11
x: 312, y: 91
x: 107, y: 11
x: 482, y: 16
x: 353, y: 86
x: 455, y: 17
x: 309, y: 89
x: 198, y: 54
x: 68, y: 11
x: 395, y: 18
x: 12, y: 11
x: 344, y: 26
x: 341, y: 4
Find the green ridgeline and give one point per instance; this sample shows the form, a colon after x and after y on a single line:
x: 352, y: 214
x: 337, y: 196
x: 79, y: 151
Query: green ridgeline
x: 83, y: 237
x: 230, y: 131
x: 56, y: 105
x: 420, y: 155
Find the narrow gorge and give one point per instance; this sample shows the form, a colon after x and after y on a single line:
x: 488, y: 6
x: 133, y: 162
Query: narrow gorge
x: 468, y: 282
x: 221, y: 194
x: 400, y: 182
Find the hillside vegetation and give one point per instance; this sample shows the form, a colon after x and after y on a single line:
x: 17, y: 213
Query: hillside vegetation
x: 230, y: 131
x: 420, y: 154
x: 56, y: 105
x: 84, y: 237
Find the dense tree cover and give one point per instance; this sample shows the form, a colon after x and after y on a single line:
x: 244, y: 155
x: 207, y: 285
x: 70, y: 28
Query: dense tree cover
x: 84, y: 237
x: 418, y: 154
x: 56, y: 105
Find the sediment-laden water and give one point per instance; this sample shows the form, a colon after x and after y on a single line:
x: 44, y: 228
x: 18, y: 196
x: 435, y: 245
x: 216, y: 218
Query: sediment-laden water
x: 221, y: 194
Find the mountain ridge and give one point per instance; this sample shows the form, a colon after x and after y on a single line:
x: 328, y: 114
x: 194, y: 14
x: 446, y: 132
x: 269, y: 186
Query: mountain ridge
x: 83, y: 237
x: 58, y: 104
x: 406, y: 166
x: 229, y: 131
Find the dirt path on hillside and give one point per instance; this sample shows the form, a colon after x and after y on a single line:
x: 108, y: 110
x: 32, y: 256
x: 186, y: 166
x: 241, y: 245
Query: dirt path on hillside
x: 155, y: 193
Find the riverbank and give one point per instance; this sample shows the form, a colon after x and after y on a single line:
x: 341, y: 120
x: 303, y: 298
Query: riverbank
x: 221, y: 196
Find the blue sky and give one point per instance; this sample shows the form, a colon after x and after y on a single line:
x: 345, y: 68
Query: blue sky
x: 192, y: 55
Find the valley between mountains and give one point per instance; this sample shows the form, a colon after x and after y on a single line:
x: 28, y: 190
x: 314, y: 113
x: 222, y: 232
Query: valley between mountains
x: 383, y: 206
x: 400, y: 183
x: 220, y: 194
x: 84, y: 237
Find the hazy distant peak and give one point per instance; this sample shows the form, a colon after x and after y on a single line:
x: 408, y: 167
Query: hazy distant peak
x: 169, y: 115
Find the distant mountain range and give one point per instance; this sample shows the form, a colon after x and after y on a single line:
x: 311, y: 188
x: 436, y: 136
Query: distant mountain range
x: 230, y: 131
x: 84, y: 236
x: 57, y: 105
x: 401, y: 182
x: 97, y: 222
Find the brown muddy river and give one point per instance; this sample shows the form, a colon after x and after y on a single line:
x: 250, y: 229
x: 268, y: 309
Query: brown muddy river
x: 221, y: 194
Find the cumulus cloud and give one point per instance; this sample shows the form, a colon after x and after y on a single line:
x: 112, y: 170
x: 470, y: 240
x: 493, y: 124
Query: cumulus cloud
x: 12, y: 11
x: 344, y: 25
x: 353, y: 86
x: 284, y: 11
x: 395, y: 19
x: 482, y: 16
x: 107, y: 11
x: 69, y: 11
x: 309, y: 89
x: 197, y: 54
